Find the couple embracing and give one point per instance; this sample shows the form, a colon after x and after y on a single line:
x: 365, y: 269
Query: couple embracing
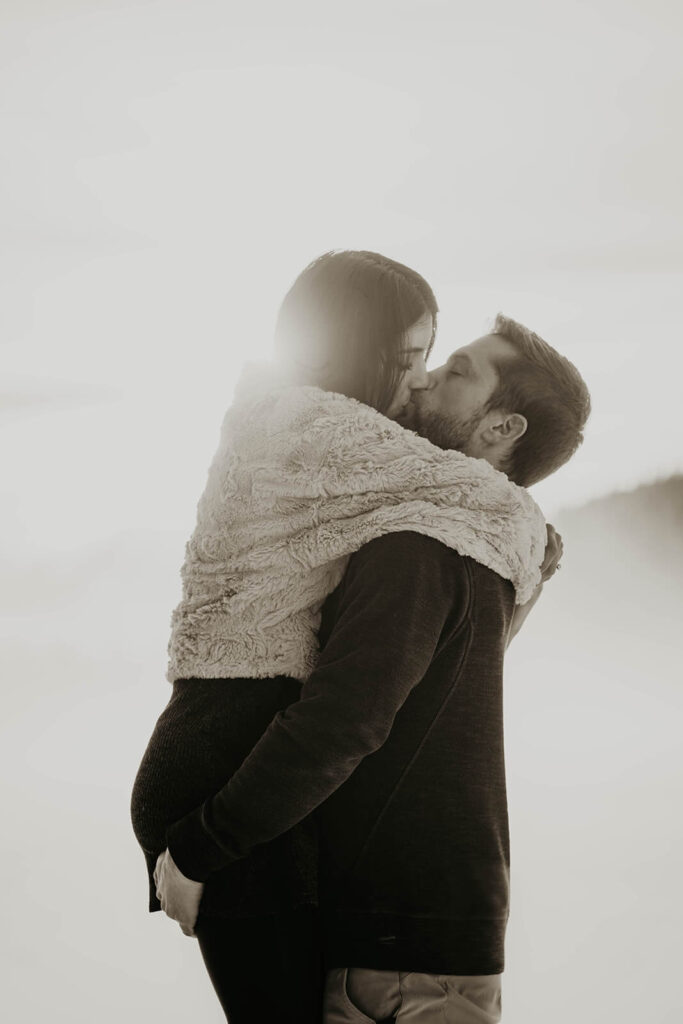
x: 322, y: 802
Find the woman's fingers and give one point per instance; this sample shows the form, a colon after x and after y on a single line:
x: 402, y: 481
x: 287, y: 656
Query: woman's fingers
x: 553, y: 553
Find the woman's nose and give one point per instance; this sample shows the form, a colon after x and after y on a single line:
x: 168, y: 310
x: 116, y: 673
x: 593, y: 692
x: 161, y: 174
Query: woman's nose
x: 419, y: 378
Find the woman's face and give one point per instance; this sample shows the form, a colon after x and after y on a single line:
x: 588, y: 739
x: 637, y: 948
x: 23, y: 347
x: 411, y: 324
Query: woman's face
x: 416, y: 346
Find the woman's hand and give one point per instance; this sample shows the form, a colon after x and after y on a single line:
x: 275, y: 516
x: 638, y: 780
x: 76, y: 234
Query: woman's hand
x: 551, y: 563
x: 179, y: 896
x: 553, y: 553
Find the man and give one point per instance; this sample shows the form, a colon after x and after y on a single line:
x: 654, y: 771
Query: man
x: 398, y: 736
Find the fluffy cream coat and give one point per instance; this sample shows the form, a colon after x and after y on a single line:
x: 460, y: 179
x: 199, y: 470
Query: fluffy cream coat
x: 303, y: 478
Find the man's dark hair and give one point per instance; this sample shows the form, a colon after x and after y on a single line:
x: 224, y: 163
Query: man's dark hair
x: 550, y: 393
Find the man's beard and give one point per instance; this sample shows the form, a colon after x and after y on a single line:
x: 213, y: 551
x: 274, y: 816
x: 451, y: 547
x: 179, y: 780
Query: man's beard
x: 449, y: 432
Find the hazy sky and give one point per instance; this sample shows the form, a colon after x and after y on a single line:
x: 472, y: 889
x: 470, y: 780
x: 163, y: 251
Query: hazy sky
x: 168, y: 168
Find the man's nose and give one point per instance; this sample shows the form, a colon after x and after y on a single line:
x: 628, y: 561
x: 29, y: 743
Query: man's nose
x: 430, y: 380
x: 435, y: 376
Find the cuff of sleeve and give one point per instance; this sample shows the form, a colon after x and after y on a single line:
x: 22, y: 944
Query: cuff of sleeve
x: 193, y: 849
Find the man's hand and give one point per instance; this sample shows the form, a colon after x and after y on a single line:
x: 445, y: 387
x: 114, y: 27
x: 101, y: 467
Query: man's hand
x: 179, y: 896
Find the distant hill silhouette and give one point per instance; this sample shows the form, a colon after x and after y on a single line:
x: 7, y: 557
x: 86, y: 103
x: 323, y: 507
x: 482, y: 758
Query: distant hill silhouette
x: 644, y: 522
x: 621, y: 583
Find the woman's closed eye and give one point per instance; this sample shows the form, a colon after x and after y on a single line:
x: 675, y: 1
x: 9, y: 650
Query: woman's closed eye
x: 413, y: 362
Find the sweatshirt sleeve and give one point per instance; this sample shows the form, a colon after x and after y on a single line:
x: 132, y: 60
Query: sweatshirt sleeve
x: 399, y: 593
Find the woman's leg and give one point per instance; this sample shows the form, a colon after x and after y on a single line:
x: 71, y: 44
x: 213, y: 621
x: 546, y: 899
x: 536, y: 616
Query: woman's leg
x: 265, y: 968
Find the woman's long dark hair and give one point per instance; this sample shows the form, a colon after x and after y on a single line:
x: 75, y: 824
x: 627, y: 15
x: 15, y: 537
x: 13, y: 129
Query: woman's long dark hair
x: 342, y: 323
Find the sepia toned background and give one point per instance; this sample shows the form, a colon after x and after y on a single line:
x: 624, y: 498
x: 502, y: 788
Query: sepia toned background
x: 168, y: 168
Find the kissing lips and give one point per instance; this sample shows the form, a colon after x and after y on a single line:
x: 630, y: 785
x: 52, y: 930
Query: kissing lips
x: 406, y: 413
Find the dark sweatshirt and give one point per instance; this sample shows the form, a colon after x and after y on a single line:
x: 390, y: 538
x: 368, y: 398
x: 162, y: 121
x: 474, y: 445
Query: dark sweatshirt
x: 399, y: 736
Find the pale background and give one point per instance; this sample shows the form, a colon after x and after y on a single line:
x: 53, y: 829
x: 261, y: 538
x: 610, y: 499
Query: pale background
x: 168, y: 168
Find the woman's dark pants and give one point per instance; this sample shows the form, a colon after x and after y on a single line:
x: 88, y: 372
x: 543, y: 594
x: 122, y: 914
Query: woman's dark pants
x: 265, y: 969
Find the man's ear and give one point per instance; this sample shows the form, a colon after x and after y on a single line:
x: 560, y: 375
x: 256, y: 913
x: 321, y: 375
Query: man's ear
x: 504, y: 427
x: 513, y: 426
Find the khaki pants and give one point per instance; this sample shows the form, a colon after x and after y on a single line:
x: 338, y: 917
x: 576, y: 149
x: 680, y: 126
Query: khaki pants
x: 358, y: 995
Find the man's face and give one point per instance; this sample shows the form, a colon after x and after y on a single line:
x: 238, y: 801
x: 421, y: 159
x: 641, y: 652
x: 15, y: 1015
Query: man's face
x: 451, y: 408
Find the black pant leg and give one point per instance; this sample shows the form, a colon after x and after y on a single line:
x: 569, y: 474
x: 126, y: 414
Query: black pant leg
x: 265, y: 969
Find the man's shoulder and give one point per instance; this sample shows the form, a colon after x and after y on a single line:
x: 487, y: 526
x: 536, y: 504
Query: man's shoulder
x: 408, y: 554
x: 400, y: 577
x: 410, y: 549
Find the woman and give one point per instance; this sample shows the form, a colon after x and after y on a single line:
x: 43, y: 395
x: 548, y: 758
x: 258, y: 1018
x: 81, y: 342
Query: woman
x: 301, y: 480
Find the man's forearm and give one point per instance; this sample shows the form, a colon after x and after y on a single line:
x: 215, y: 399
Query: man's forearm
x: 306, y: 753
x: 382, y: 643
